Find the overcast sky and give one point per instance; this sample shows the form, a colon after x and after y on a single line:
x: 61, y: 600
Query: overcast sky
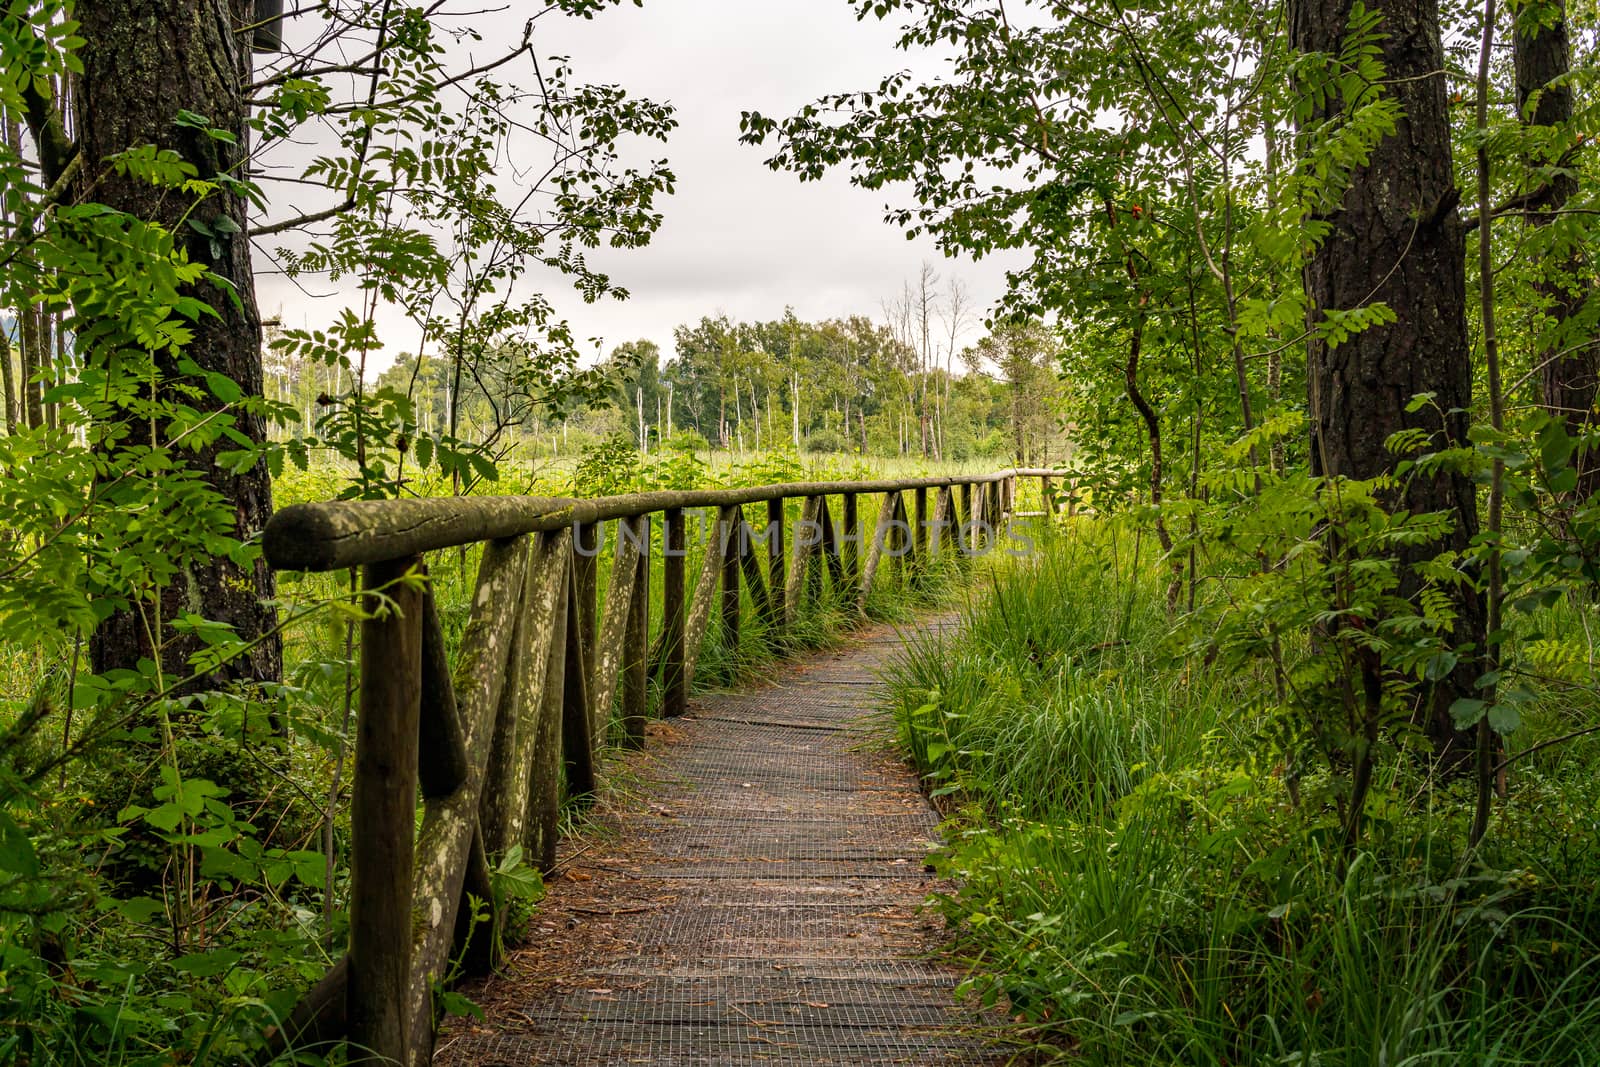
x: 737, y: 238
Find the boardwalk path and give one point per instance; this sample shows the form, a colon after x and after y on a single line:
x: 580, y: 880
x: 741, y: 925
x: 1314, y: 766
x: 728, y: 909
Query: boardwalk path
x: 757, y: 904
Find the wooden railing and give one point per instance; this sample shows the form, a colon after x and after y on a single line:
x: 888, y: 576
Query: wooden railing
x: 490, y: 743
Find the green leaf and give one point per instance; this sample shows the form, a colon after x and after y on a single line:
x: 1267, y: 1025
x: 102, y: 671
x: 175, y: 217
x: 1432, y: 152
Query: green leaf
x: 1467, y: 711
x: 16, y: 851
x: 207, y: 964
x: 1439, y: 666
x: 1504, y: 718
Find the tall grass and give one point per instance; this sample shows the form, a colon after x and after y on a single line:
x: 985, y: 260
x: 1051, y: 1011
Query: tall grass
x: 1138, y: 884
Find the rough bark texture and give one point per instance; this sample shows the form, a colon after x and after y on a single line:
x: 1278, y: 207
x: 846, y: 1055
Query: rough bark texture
x: 8, y: 381
x: 383, y: 805
x: 143, y: 61
x: 1397, y: 238
x: 1569, y: 378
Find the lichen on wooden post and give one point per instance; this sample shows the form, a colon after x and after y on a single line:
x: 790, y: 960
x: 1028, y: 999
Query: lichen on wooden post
x: 875, y: 550
x: 636, y: 643
x: 504, y: 804
x: 609, y: 656
x: 805, y: 544
x: 705, y: 595
x: 542, y: 816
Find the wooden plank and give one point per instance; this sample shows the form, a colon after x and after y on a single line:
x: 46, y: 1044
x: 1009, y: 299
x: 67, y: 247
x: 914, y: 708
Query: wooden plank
x: 966, y: 530
x: 450, y: 823
x: 609, y: 655
x: 636, y: 643
x: 919, y: 529
x: 542, y: 818
x: 732, y: 524
x: 939, y: 525
x: 852, y: 539
x: 705, y: 596
x: 830, y: 554
x: 753, y: 578
x: 504, y: 807
x: 776, y: 584
x: 577, y: 735
x: 814, y: 558
x: 383, y: 808
x: 805, y: 543
x: 674, y: 606
x: 588, y: 539
x: 900, y: 544
x: 442, y: 750
x: 875, y: 549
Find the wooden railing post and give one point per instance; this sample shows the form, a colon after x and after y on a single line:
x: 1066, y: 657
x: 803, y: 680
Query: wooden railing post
x: 636, y: 642
x: 674, y: 692
x: 875, y: 550
x: 967, y: 533
x: 905, y: 545
x: 831, y: 555
x: 542, y: 818
x: 704, y: 599
x: 731, y: 531
x: 588, y: 539
x: 919, y: 530
x: 852, y: 541
x: 760, y: 596
x: 799, y: 582
x: 777, y: 582
x: 442, y: 747
x: 577, y: 732
x: 527, y: 725
x: 938, y: 538
x: 384, y: 806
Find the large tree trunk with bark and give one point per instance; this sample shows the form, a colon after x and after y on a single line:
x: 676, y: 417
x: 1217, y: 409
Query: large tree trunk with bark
x: 143, y: 61
x: 1397, y: 239
x: 1569, y: 369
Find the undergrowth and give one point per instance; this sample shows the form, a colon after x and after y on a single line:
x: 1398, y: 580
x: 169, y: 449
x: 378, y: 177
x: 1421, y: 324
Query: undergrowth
x: 1140, y: 881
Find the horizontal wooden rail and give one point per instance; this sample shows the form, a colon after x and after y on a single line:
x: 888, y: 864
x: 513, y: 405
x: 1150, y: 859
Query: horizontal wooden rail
x: 337, y: 534
x: 547, y: 673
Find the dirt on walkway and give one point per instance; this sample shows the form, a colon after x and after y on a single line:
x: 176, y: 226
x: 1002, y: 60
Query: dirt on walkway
x: 749, y: 895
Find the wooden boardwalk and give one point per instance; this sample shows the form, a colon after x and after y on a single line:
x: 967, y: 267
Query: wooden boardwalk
x: 753, y: 898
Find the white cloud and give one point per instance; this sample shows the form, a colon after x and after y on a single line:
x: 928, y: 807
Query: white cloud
x: 737, y: 237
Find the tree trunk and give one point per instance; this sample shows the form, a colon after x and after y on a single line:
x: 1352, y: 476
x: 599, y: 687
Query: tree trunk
x: 1569, y: 379
x: 1397, y: 238
x: 143, y: 61
x: 8, y: 380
